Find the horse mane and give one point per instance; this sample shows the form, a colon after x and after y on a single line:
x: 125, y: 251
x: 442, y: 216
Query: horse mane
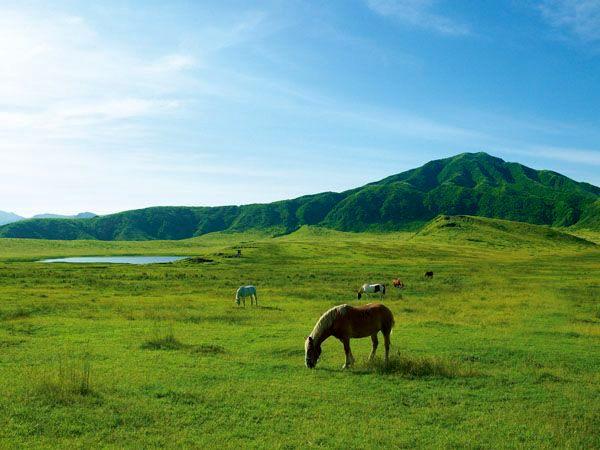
x: 326, y: 320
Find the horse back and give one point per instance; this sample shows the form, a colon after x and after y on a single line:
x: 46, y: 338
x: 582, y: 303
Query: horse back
x: 245, y: 291
x: 363, y: 321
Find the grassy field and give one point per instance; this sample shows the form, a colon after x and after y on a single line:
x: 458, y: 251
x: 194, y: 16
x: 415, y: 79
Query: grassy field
x: 500, y: 349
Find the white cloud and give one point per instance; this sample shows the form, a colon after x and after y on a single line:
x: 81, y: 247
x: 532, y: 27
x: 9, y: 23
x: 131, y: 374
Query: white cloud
x: 66, y: 180
x: 418, y: 13
x: 59, y: 78
x: 86, y: 122
x: 173, y: 62
x: 579, y: 17
x: 76, y: 118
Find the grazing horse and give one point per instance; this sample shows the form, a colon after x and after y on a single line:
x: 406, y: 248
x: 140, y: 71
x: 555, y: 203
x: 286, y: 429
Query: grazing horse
x: 345, y: 322
x: 372, y: 289
x: 246, y: 291
x: 429, y: 274
x: 398, y: 283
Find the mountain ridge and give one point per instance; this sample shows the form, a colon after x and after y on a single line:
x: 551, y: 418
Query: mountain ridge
x: 82, y: 215
x: 9, y: 217
x: 475, y: 184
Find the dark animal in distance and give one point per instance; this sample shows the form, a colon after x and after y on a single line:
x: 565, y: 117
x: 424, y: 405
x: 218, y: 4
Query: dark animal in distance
x: 346, y: 322
x: 429, y: 274
x: 398, y: 283
x: 372, y: 289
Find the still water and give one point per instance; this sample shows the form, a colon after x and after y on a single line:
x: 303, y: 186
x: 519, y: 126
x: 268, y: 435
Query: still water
x: 116, y: 259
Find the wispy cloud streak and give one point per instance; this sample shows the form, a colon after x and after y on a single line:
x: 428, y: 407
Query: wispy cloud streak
x: 418, y: 13
x: 567, y: 154
x: 578, y: 17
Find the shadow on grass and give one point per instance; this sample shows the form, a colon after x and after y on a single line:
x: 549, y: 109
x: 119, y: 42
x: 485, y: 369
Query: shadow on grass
x: 166, y: 341
x: 289, y: 352
x: 180, y: 397
x: 413, y: 366
x: 22, y: 313
x: 270, y: 308
x: 198, y: 260
x: 209, y: 349
x: 221, y: 318
x: 21, y: 328
x: 6, y: 343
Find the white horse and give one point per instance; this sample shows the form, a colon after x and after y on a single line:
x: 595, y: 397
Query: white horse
x: 372, y: 289
x: 246, y: 291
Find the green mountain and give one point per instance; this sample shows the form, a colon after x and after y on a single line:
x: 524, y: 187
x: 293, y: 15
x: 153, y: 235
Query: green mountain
x: 475, y: 184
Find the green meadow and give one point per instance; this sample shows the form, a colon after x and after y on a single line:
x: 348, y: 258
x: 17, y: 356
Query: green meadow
x: 500, y: 349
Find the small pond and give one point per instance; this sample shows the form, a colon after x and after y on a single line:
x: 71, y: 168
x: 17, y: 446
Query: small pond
x: 116, y: 259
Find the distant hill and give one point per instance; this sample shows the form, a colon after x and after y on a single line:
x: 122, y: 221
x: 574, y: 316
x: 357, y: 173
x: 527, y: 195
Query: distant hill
x: 8, y: 217
x: 83, y: 215
x: 495, y: 232
x: 475, y: 184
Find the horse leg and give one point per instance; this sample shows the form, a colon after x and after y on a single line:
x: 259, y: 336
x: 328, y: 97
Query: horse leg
x: 256, y: 299
x: 349, y: 357
x: 386, y: 342
x: 375, y: 344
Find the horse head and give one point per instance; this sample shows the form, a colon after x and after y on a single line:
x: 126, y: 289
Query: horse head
x: 312, y: 352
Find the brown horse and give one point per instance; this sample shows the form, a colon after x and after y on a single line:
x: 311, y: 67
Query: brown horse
x: 397, y: 282
x: 345, y: 322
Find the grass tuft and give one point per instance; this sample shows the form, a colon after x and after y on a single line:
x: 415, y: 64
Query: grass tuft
x: 209, y: 349
x: 20, y: 313
x: 547, y: 377
x: 166, y: 341
x: 71, y: 383
x: 412, y: 366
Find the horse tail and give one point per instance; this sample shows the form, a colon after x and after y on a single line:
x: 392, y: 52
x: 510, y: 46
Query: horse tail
x: 391, y: 321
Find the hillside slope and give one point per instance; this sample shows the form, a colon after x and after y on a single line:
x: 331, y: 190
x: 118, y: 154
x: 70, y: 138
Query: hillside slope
x: 467, y: 184
x: 495, y: 232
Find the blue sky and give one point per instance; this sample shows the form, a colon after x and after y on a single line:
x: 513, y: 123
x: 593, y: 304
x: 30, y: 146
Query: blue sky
x: 107, y: 106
